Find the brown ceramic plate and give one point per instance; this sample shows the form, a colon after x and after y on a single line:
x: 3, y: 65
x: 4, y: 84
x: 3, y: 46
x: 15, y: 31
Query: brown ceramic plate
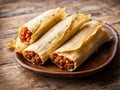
x: 93, y: 64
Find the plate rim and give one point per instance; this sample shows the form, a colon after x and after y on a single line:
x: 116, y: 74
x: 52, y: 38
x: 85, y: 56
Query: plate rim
x: 79, y: 72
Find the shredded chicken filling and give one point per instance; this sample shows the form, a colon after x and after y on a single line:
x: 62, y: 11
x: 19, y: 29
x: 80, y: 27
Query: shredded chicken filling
x: 32, y: 57
x: 63, y: 62
x: 25, y: 35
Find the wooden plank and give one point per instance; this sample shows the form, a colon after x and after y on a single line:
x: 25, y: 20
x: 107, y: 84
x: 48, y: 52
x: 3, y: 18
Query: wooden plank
x: 15, y: 22
x: 117, y: 27
x: 14, y: 9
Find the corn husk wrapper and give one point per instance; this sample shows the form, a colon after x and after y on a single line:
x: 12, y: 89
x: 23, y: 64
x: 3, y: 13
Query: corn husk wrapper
x: 39, y: 26
x: 84, y: 43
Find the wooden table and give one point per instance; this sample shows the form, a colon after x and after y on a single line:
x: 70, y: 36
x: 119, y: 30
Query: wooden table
x: 14, y: 13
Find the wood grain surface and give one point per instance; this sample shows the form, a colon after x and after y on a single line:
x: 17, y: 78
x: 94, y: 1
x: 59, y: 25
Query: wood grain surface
x: 14, y: 13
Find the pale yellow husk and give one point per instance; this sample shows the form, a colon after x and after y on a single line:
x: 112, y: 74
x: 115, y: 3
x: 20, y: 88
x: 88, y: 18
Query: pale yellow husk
x: 39, y: 25
x: 84, y: 43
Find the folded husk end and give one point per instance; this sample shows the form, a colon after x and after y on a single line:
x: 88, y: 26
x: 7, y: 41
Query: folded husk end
x: 11, y: 44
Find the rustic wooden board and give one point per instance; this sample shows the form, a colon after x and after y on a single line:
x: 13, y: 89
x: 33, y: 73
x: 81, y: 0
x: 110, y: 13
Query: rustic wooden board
x: 14, y: 13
